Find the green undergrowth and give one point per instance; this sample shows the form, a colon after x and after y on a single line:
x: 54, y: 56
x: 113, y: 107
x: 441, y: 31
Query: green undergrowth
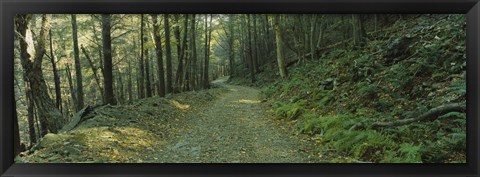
x: 397, y: 76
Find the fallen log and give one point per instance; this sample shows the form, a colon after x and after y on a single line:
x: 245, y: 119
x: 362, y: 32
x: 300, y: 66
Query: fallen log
x: 432, y: 114
x: 78, y: 117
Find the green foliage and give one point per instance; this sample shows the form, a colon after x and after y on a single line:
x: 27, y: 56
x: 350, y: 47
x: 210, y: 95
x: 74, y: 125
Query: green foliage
x: 370, y: 145
x: 367, y: 90
x: 399, y: 76
x: 268, y: 91
x: 406, y: 153
x: 458, y: 87
x: 311, y: 124
x: 290, y: 110
x: 428, y: 70
x: 430, y: 50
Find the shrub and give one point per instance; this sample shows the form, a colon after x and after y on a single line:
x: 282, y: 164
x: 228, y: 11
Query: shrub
x: 268, y: 91
x: 290, y: 110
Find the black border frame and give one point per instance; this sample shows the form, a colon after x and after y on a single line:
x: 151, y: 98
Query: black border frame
x: 8, y: 8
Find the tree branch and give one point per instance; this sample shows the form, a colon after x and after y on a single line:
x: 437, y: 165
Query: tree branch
x: 432, y: 114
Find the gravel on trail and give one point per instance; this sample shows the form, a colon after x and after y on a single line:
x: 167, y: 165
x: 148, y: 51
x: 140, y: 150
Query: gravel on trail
x: 234, y: 128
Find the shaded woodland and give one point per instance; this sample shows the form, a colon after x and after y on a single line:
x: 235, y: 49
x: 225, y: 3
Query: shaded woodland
x: 373, y: 88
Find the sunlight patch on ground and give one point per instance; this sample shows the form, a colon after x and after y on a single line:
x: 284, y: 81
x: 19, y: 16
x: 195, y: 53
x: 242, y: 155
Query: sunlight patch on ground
x: 180, y: 105
x: 248, y: 101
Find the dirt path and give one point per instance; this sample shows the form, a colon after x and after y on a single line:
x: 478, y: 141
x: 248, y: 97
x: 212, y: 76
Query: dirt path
x: 235, y: 128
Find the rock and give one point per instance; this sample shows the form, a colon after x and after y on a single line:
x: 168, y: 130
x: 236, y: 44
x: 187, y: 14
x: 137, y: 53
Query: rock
x: 51, y: 140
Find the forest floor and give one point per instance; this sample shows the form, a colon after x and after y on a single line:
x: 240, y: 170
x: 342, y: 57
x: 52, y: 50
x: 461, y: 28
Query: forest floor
x: 233, y: 127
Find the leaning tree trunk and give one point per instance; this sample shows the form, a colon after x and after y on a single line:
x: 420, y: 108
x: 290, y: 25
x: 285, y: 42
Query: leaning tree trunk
x: 48, y: 112
x: 94, y: 69
x: 70, y: 85
x: 107, y: 59
x: 56, y: 78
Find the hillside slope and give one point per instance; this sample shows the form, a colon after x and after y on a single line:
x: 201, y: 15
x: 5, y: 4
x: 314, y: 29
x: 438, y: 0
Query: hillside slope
x: 412, y: 69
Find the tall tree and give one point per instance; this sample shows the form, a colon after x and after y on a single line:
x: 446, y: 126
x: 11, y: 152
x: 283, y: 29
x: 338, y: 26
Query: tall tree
x: 49, y: 114
x: 56, y: 78
x: 78, y: 67
x: 358, y: 31
x: 141, y: 79
x: 208, y: 33
x: 129, y: 84
x: 169, y: 54
x: 148, y: 80
x: 193, y: 72
x: 158, y: 51
x: 231, y: 38
x: 181, y: 46
x: 107, y: 59
x: 278, y: 37
x: 250, y: 51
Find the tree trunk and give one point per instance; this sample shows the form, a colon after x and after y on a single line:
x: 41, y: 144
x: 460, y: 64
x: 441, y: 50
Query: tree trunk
x: 230, y: 46
x: 430, y: 114
x: 56, y: 78
x: 120, y: 88
x: 107, y: 59
x: 30, y: 117
x: 278, y: 37
x: 358, y: 31
x: 94, y: 69
x: 147, y: 71
x: 141, y: 80
x: 158, y: 51
x: 16, y: 135
x: 169, y: 55
x: 312, y: 34
x: 250, y: 55
x: 78, y: 68
x: 256, y: 52
x: 206, y: 84
x: 179, y: 74
x: 70, y: 85
x: 49, y: 114
x: 193, y: 72
x: 129, y: 84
